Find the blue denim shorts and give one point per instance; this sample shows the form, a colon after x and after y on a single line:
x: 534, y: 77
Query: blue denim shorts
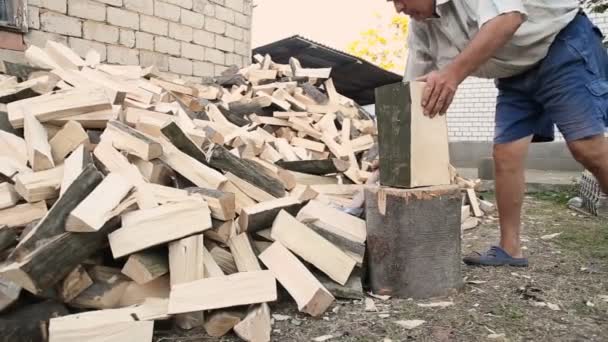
x: 567, y: 89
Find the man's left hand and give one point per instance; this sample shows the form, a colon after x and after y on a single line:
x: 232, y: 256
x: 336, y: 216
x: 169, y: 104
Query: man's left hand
x: 439, y: 91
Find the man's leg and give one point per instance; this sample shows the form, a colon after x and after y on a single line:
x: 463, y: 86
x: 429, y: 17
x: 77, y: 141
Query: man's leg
x: 592, y: 153
x: 509, y: 160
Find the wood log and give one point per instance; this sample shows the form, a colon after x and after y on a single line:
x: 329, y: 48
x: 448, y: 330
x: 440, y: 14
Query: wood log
x: 414, y: 240
x: 222, y: 204
x: 414, y: 153
x: 222, y: 231
x: 244, y: 257
x: 54, y: 222
x: 39, y: 186
x: 14, y: 147
x: 105, y: 292
x: 353, y: 289
x: 221, y: 292
x: 38, y: 148
x: 67, y: 140
x: 58, y: 105
x: 212, y: 269
x: 9, y: 293
x: 316, y: 167
x: 137, y: 294
x: 73, y: 166
x: 310, y: 295
x: 8, y: 196
x: 222, y: 159
x: 241, y: 199
x: 223, y: 258
x: 312, y: 247
x: 143, y: 267
x: 132, y: 141
x: 255, y: 327
x: 75, y: 331
x: 8, y: 237
x: 162, y: 224
x: 249, y: 189
x: 30, y: 323
x: 154, y: 171
x: 263, y: 214
x: 474, y: 202
x: 48, y: 264
x: 186, y: 263
x: 22, y: 214
x: 220, y: 322
x: 98, y: 207
x: 298, y: 71
x: 345, y: 231
x: 74, y: 284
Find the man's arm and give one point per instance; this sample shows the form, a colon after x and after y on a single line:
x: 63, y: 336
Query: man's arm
x: 441, y: 85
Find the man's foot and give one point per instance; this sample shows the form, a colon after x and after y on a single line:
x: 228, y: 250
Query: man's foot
x: 495, y: 256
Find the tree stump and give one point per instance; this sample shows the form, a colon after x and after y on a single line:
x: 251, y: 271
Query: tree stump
x: 413, y: 241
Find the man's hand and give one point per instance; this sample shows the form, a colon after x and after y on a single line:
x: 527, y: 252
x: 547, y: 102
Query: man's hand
x: 439, y: 92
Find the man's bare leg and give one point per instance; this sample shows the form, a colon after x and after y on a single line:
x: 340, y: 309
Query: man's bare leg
x: 592, y: 153
x: 509, y: 168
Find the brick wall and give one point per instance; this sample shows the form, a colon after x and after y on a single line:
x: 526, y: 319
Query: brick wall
x: 189, y: 38
x: 471, y: 116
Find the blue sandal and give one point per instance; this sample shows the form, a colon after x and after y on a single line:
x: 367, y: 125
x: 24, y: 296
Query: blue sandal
x: 495, y: 256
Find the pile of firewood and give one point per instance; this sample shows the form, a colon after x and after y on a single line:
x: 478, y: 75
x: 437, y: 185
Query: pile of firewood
x: 129, y: 197
x: 147, y: 198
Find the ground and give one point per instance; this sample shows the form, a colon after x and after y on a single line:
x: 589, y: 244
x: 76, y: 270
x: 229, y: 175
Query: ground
x: 568, y: 272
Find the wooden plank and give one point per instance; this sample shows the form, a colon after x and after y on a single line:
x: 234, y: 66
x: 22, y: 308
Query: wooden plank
x: 308, y: 144
x: 38, y: 148
x: 58, y: 105
x: 135, y: 115
x: 221, y: 292
x: 91, y: 120
x: 22, y: 214
x: 74, y: 284
x: 303, y: 126
x: 249, y: 189
x: 262, y: 215
x: 163, y: 224
x: 39, y: 186
x: 174, y: 87
x: 14, y: 147
x: 143, y: 267
x: 308, y: 179
x: 67, y: 140
x: 115, y: 332
x: 472, y: 198
x: 8, y: 196
x: 73, y: 166
x: 97, y: 208
x: 310, y: 295
x: 312, y: 247
x: 287, y: 152
x: 244, y: 257
x: 132, y: 141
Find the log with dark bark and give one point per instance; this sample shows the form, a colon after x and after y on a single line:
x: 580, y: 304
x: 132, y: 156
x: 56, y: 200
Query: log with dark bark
x: 353, y: 289
x: 180, y: 140
x: 51, y: 262
x: 315, y: 167
x: 222, y: 159
x: 21, y: 71
x: 315, y: 93
x: 54, y: 222
x: 8, y: 237
x: 5, y: 125
x: 30, y: 323
x: 231, y: 77
x: 414, y: 241
x: 235, y: 118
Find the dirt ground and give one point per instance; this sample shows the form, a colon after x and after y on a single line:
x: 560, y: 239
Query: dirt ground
x: 562, y: 296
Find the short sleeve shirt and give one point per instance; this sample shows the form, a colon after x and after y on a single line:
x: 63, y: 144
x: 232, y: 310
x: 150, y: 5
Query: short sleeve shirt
x: 435, y: 42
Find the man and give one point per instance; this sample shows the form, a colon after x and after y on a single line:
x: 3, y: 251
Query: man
x: 550, y: 68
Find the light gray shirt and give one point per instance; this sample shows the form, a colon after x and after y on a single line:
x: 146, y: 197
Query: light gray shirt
x: 435, y: 42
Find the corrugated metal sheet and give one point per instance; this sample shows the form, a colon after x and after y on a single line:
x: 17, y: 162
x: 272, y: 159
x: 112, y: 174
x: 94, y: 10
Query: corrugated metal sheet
x: 353, y: 76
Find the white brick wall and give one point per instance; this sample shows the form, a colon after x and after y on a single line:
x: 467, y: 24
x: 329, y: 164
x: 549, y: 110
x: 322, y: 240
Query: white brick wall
x: 188, y: 38
x: 471, y: 115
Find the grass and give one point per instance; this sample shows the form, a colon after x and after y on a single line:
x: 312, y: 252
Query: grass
x: 557, y: 197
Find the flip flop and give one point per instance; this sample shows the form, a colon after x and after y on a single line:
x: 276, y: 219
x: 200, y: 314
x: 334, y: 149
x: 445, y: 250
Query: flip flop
x: 495, y: 256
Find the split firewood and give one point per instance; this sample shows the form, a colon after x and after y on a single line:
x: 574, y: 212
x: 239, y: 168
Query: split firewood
x: 220, y: 322
x: 223, y: 258
x: 14, y: 147
x: 263, y: 214
x: 22, y: 214
x: 132, y: 141
x: 38, y: 147
x: 143, y: 267
x: 474, y: 202
x: 74, y: 284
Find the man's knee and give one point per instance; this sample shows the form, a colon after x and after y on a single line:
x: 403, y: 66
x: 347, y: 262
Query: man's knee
x: 507, y: 158
x: 591, y: 153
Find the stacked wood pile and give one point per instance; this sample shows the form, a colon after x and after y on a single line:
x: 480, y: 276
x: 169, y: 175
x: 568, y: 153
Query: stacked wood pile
x: 130, y: 198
